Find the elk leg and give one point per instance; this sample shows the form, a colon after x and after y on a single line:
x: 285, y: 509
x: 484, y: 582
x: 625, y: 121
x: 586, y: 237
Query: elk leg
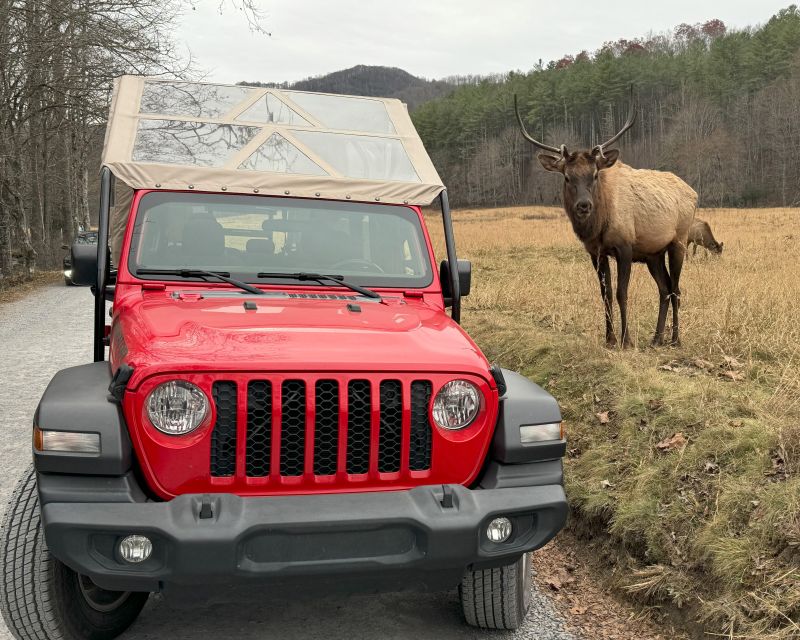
x: 676, y: 252
x: 603, y: 270
x: 658, y: 270
x: 624, y: 262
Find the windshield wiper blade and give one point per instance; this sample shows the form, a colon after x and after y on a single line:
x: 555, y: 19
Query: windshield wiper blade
x: 323, y: 277
x: 200, y: 273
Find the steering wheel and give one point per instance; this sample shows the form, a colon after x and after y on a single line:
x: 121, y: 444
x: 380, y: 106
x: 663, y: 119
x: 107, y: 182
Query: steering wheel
x: 360, y: 264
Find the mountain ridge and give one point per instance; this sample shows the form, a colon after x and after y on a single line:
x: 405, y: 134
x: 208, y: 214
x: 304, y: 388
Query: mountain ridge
x: 370, y: 80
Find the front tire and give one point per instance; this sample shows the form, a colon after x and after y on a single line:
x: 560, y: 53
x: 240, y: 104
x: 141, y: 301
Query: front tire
x: 497, y: 598
x: 43, y: 599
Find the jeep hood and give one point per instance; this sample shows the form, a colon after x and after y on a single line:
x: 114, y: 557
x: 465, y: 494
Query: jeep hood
x: 159, y: 332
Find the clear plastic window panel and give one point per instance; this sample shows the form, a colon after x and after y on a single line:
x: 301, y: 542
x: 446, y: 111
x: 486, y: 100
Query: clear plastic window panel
x: 365, y: 157
x: 272, y: 110
x: 280, y: 155
x: 188, y: 99
x: 189, y: 143
x: 349, y: 114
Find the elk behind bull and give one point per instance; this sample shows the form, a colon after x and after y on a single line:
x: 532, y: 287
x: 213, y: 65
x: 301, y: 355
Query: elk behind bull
x: 632, y: 215
x: 700, y: 234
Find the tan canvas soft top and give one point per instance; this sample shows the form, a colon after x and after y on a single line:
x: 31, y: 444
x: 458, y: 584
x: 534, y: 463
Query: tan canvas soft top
x: 228, y: 138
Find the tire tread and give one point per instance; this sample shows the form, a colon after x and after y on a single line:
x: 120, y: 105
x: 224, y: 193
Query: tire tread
x: 491, y: 598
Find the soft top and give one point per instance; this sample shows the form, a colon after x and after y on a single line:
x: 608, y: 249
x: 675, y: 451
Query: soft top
x: 164, y: 134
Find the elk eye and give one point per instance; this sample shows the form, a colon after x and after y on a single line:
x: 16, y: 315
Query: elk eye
x: 566, y: 178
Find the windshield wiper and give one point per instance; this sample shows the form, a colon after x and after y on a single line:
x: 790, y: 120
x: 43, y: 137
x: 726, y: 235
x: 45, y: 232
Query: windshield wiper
x: 322, y: 277
x: 200, y: 273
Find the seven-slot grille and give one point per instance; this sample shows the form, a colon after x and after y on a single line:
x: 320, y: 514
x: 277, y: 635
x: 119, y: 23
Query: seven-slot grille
x: 294, y: 427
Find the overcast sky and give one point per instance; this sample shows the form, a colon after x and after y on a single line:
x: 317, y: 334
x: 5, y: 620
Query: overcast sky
x: 430, y: 38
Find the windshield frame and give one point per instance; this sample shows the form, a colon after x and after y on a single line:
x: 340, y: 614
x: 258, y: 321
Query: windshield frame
x: 411, y: 213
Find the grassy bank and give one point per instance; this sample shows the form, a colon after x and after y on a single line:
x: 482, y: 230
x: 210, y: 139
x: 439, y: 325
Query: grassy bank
x: 682, y: 462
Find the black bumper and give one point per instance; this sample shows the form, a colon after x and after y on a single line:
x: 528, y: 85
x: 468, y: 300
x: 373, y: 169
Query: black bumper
x: 393, y: 536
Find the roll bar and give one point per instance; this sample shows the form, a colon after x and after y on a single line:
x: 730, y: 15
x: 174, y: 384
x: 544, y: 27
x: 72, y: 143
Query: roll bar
x: 450, y: 244
x: 106, y: 190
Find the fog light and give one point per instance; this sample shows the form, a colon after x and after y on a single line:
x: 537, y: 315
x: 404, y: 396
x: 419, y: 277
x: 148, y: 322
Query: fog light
x: 499, y: 530
x: 135, y: 548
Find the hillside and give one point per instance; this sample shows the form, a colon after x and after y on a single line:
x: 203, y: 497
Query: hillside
x: 717, y: 106
x: 366, y: 80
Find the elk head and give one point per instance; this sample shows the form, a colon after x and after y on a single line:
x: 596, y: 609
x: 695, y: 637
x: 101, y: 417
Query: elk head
x: 580, y: 168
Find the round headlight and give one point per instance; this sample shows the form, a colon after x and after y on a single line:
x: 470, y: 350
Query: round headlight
x: 456, y: 404
x: 177, y: 407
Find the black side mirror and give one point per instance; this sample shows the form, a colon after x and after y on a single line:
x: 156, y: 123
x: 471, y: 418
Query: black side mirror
x: 84, y: 264
x: 464, y: 279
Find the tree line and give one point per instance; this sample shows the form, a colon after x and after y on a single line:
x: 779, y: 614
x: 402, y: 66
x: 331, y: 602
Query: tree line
x: 718, y: 107
x: 58, y: 59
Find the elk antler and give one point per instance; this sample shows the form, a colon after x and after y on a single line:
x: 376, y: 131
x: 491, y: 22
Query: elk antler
x: 628, y: 124
x: 562, y: 150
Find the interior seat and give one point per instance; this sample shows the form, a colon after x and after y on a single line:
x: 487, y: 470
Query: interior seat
x: 259, y: 252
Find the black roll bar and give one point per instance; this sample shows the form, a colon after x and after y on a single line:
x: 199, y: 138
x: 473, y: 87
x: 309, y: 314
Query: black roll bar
x: 452, y: 261
x: 106, y: 186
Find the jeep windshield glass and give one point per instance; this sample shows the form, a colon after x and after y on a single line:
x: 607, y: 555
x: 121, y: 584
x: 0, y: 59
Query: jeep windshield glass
x: 372, y: 245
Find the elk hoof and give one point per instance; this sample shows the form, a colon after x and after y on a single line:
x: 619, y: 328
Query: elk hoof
x: 627, y: 343
x: 611, y: 341
x: 657, y: 341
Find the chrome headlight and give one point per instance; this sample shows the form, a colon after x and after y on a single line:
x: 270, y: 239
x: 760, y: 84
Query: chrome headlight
x: 177, y: 407
x: 456, y: 405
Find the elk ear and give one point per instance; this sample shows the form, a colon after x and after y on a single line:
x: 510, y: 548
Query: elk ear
x: 607, y: 159
x: 551, y: 163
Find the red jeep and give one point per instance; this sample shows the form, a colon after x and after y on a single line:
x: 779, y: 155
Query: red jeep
x: 284, y: 401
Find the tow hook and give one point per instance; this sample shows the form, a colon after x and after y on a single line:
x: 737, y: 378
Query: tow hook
x: 448, y: 497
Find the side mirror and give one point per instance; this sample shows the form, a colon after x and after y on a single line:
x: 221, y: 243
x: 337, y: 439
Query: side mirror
x: 84, y: 264
x: 464, y: 279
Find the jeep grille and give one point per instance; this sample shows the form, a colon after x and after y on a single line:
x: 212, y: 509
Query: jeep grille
x: 323, y: 428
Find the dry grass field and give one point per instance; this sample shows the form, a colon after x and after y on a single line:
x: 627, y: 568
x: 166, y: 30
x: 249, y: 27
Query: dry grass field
x: 683, y: 462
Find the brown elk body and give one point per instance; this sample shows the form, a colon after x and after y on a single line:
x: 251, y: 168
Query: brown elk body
x: 700, y: 235
x: 631, y: 215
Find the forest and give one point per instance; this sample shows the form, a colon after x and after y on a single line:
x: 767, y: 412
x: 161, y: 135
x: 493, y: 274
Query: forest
x: 718, y: 107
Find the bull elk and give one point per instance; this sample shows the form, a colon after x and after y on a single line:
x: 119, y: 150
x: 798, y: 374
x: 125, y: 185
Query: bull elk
x: 632, y: 215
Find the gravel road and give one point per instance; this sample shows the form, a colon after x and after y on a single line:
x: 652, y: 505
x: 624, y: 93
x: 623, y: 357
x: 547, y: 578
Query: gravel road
x: 51, y: 329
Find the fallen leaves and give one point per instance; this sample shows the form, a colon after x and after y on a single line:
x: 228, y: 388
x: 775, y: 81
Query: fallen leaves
x: 589, y: 608
x: 729, y: 369
x: 778, y: 472
x: 603, y: 417
x: 675, y: 441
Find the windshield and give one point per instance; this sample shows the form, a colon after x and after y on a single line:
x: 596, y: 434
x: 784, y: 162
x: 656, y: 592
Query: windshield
x: 372, y: 245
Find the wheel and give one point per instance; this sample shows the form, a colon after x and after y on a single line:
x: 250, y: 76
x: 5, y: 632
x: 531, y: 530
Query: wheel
x: 42, y: 599
x: 497, y: 598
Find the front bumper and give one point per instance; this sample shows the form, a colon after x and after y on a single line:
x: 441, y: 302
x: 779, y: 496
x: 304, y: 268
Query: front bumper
x: 428, y: 535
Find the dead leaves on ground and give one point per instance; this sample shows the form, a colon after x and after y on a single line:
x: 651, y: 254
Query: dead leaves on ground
x: 603, y: 417
x: 729, y: 369
x: 675, y: 442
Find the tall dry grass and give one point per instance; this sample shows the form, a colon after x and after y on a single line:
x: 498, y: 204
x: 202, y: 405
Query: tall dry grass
x: 709, y: 520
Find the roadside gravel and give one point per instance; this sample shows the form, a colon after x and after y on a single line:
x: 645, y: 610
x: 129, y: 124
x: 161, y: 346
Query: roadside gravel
x: 51, y: 329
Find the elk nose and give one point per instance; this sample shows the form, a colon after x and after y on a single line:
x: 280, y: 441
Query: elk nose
x: 584, y: 206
